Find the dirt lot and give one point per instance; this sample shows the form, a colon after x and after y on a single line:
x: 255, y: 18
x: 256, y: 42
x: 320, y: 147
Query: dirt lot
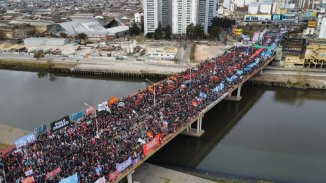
x: 205, y: 51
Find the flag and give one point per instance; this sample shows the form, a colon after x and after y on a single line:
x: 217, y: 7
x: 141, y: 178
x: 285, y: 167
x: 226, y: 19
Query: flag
x: 102, y: 106
x: 28, y: 180
x: 101, y: 180
x: 89, y: 110
x: 113, y: 100
x: 149, y: 134
x: 202, y: 95
x: 29, y: 172
x: 194, y: 103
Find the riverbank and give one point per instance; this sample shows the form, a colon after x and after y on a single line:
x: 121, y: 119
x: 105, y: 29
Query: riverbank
x: 9, y: 134
x: 36, y: 65
x: 291, y: 78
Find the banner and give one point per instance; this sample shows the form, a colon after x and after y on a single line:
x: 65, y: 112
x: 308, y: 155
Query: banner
x: 39, y: 130
x: 27, y: 139
x: 9, y: 149
x: 76, y: 116
x: 101, y: 180
x: 113, y: 100
x: 122, y: 166
x: 102, y: 106
x: 89, y: 110
x: 28, y: 180
x: 29, y: 172
x: 70, y: 179
x: 152, y: 144
x: 61, y: 123
x: 53, y: 173
x: 202, y: 95
x: 113, y: 175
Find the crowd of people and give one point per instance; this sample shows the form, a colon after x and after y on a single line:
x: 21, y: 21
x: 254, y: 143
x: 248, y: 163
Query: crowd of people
x: 94, y: 146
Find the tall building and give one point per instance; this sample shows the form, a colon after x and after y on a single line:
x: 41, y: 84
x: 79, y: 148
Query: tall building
x: 178, y: 13
x: 151, y: 15
x: 185, y: 12
x: 156, y: 12
x: 206, y: 12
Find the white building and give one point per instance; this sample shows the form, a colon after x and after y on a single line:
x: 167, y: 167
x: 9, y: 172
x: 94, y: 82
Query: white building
x: 206, y: 10
x: 185, y: 12
x: 138, y: 17
x: 155, y: 12
x: 322, y: 33
x: 151, y: 15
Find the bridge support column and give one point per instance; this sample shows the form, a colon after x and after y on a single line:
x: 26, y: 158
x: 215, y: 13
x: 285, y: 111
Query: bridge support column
x: 129, y: 177
x: 195, y: 132
x: 235, y: 98
x: 261, y: 72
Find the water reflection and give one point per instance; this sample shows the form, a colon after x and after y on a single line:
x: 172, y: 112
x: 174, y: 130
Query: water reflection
x: 29, y: 99
x: 267, y: 138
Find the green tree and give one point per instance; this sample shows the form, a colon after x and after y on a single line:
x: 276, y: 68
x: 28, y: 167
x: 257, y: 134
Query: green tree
x: 149, y: 35
x: 39, y: 54
x: 82, y: 36
x: 134, y: 30
x: 63, y: 35
x: 198, y: 32
x: 190, y: 31
x: 167, y: 32
x: 214, y: 32
x: 158, y: 32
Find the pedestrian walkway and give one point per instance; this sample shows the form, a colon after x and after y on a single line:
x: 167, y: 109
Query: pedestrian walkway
x: 149, y: 173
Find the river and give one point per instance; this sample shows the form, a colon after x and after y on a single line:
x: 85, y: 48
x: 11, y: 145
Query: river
x: 272, y: 133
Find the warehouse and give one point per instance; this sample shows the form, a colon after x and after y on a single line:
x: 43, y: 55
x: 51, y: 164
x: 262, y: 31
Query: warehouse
x: 41, y: 41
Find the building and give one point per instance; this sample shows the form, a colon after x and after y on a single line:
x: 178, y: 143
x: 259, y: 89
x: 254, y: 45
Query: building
x: 205, y: 13
x: 184, y: 12
x: 139, y: 18
x: 40, y: 26
x: 151, y: 15
x: 322, y: 33
x: 165, y: 16
x: 41, y: 41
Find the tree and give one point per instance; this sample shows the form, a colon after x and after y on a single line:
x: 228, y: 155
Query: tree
x: 134, y: 30
x: 158, y: 32
x: 214, y: 31
x: 198, y: 32
x: 167, y: 32
x: 63, y: 35
x: 190, y: 31
x: 39, y: 54
x: 149, y: 35
x: 82, y: 36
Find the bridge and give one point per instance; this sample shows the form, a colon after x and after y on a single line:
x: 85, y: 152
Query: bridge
x: 110, y: 143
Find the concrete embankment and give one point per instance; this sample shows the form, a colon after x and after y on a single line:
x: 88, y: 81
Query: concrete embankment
x: 9, y: 134
x: 148, y: 173
x: 292, y: 78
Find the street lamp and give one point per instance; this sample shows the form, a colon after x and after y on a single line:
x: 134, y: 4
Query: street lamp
x: 97, y: 134
x: 4, y: 173
x: 153, y: 91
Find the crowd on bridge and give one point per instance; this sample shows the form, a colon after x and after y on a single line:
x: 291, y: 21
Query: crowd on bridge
x: 104, y: 143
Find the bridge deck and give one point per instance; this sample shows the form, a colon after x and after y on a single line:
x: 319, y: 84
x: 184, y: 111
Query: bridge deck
x: 168, y: 138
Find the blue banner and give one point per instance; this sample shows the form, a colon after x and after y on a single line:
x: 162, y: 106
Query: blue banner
x: 76, y: 116
x: 27, y: 139
x: 70, y: 179
x: 202, y: 95
x: 122, y: 166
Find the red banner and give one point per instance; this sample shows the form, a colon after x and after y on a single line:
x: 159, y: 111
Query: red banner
x: 9, y: 149
x: 28, y: 180
x: 53, y: 173
x: 152, y: 144
x: 113, y: 175
x: 113, y: 100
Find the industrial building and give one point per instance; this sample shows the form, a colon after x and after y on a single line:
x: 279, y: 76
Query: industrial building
x: 42, y: 41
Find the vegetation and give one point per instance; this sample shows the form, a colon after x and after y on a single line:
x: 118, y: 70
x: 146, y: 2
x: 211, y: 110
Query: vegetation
x: 192, y: 52
x: 194, y: 32
x: 134, y: 30
x: 219, y: 25
x: 33, y: 65
x: 39, y: 54
x: 82, y: 36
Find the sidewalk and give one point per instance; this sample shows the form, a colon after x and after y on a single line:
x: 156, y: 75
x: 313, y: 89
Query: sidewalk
x: 148, y: 173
